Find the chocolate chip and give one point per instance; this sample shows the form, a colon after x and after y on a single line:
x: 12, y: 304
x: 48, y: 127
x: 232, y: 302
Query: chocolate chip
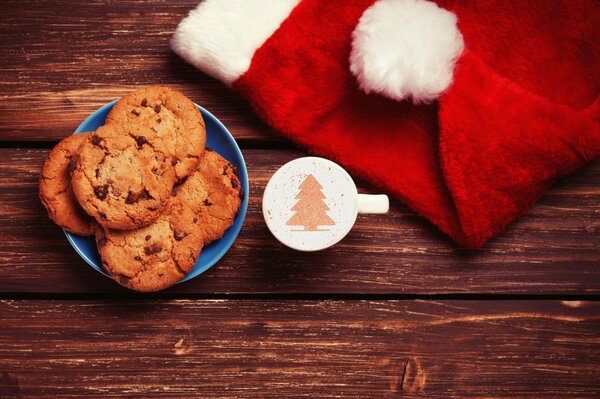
x: 101, y: 241
x: 234, y: 168
x: 145, y: 195
x: 124, y: 279
x: 157, y: 108
x: 141, y: 140
x: 195, y: 220
x: 207, y: 202
x: 176, y: 186
x: 72, y: 164
x: 144, y: 102
x: 152, y: 208
x: 224, y: 173
x: 135, y: 112
x: 96, y: 140
x: 132, y: 198
x: 174, y: 161
x: 208, y: 149
x: 147, y: 237
x: 234, y: 183
x: 158, y: 120
x: 138, y: 258
x: 154, y: 170
x: 242, y: 194
x: 179, y: 236
x: 101, y: 192
x: 102, y: 215
x: 152, y: 249
x: 97, y: 173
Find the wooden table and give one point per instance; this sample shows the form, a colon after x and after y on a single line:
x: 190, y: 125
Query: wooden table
x: 395, y: 310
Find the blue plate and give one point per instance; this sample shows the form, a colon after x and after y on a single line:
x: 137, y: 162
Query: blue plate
x: 219, y: 139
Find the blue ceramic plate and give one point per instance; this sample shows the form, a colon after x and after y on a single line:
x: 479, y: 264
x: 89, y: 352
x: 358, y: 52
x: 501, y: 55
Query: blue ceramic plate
x: 219, y: 139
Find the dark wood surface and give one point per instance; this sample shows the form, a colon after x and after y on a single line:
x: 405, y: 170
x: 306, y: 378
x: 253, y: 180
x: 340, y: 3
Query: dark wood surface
x: 376, y: 316
x: 554, y: 249
x: 65, y: 60
x: 315, y: 349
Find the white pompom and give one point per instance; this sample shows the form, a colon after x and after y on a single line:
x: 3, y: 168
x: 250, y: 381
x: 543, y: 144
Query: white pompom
x: 405, y: 48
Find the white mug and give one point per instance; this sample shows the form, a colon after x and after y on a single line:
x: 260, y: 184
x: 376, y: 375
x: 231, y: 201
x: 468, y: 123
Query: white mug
x: 311, y: 203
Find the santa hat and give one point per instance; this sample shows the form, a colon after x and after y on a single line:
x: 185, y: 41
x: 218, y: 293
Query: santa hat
x: 467, y: 111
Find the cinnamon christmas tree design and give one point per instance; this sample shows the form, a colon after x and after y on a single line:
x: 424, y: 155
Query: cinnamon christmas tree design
x: 310, y: 210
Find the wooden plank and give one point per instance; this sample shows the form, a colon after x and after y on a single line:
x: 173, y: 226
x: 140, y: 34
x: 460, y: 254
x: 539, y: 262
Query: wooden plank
x: 56, y: 67
x: 320, y: 349
x: 554, y: 249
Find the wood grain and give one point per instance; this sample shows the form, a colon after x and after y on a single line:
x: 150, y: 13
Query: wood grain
x: 60, y: 62
x: 324, y: 349
x: 554, y: 249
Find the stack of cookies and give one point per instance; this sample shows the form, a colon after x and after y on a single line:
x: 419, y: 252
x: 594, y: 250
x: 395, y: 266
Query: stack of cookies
x: 145, y: 185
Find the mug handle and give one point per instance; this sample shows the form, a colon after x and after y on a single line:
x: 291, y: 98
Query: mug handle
x: 370, y: 203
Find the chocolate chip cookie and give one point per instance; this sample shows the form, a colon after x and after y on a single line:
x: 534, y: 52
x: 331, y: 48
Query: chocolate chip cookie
x: 220, y: 195
x: 121, y: 179
x: 55, y: 189
x: 168, y: 116
x: 157, y: 256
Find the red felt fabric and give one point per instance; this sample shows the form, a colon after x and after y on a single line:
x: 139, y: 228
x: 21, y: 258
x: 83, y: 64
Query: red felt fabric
x: 522, y: 111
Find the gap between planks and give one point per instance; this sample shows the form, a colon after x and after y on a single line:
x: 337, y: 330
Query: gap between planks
x: 569, y: 300
x: 244, y: 144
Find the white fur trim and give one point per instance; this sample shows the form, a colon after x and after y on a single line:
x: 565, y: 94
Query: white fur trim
x: 220, y: 36
x: 405, y: 48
